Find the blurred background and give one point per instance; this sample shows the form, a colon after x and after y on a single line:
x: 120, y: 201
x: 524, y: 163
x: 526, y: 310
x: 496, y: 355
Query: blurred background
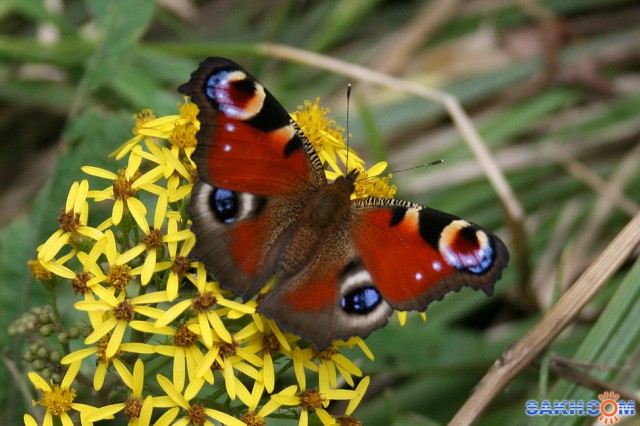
x: 553, y: 87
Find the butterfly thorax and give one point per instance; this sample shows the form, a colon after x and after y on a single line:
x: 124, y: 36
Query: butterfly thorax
x: 328, y: 205
x: 325, y: 211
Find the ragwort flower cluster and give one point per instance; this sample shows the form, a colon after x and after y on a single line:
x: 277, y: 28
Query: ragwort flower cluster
x: 163, y: 344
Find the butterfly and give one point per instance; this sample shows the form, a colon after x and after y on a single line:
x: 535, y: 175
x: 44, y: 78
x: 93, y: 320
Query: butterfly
x: 262, y: 207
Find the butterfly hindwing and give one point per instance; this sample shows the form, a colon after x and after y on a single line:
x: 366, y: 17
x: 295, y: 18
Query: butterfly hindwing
x: 239, y: 233
x: 333, y: 298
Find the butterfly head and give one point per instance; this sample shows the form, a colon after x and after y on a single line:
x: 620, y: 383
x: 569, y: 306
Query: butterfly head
x: 348, y: 182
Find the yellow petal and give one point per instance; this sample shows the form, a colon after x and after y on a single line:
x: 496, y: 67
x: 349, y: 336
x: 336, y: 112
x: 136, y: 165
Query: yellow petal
x: 172, y: 391
x: 59, y: 270
x: 146, y: 411
x: 53, y: 245
x: 105, y: 296
x: 105, y: 412
x: 101, y: 331
x: 268, y: 373
x: 98, y: 172
x: 138, y: 378
x: 117, y: 211
x: 39, y: 382
x: 70, y: 375
x: 81, y: 196
x: 90, y: 232
x: 149, y: 177
x: 130, y: 254
x: 116, y: 338
x: 224, y: 418
x: 78, y: 355
x: 154, y: 297
x: 168, y: 417
x: 147, y: 268
x: 139, y: 212
x: 361, y: 390
x: 98, y: 376
x: 29, y: 421
x: 229, y: 378
x: 179, y: 368
x: 148, y: 327
x: 207, y: 361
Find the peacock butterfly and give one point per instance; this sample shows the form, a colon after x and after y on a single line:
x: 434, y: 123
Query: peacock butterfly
x: 263, y: 207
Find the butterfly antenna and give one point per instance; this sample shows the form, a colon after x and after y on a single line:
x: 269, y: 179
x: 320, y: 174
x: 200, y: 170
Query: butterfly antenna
x: 348, y: 135
x: 432, y: 163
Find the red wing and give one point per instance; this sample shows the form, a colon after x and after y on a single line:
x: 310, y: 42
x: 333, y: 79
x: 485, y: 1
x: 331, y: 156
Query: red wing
x: 333, y: 298
x: 237, y: 234
x: 247, y: 142
x: 416, y: 254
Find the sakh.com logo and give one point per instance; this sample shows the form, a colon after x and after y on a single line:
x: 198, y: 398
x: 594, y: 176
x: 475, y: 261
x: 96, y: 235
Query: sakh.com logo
x: 608, y: 407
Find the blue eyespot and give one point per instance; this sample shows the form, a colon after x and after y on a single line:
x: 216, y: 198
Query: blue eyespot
x: 361, y: 301
x: 224, y: 204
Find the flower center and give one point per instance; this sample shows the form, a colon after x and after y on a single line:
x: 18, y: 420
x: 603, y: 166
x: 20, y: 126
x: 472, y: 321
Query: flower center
x: 79, y: 283
x: 132, y: 407
x: 142, y: 118
x: 349, y: 421
x: 227, y: 349
x: 69, y: 221
x: 196, y: 415
x: 203, y: 302
x: 184, y: 337
x: 38, y: 271
x: 153, y: 239
x: 119, y: 276
x: 270, y: 343
x: 124, y: 311
x: 189, y: 111
x: 183, y: 136
x: 122, y: 185
x: 251, y: 418
x: 180, y: 265
x: 58, y: 400
x: 327, y: 353
x: 311, y: 400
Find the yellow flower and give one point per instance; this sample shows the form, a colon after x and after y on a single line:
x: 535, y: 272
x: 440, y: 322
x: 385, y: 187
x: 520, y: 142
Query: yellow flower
x: 138, y: 410
x: 118, y: 273
x: 179, y: 263
x: 103, y: 361
x: 184, y: 350
x: 194, y: 414
x: 325, y: 135
x: 330, y: 359
x: 124, y: 188
x: 328, y: 140
x: 39, y: 271
x: 59, y: 399
x: 120, y: 311
x: 73, y: 224
x: 229, y: 358
x: 312, y: 401
x: 141, y: 118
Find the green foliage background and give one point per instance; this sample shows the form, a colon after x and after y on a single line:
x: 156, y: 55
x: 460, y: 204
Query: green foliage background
x: 559, y: 112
